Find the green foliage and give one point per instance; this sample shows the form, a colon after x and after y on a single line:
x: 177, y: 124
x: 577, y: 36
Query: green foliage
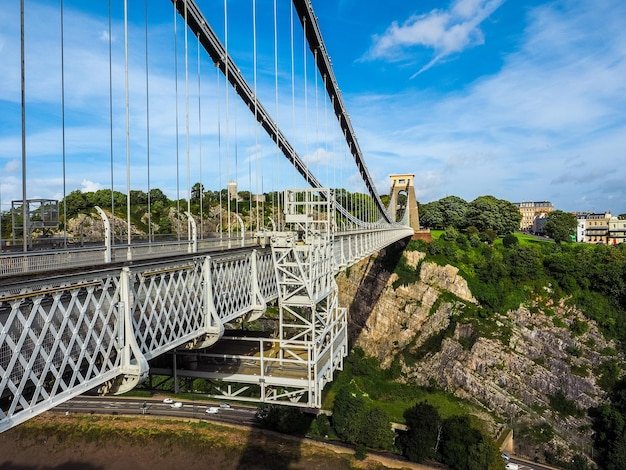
x: 581, y: 371
x: 379, y: 389
x: 285, y: 419
x: 488, y: 212
x: 579, y: 327
x: 321, y: 427
x: 539, y: 433
x: 417, y: 245
x: 419, y: 442
x: 362, y: 364
x: 446, y: 212
x: 360, y: 452
x: 431, y: 345
x: 376, y: 432
x: 523, y: 262
x: 355, y: 423
x: 510, y: 240
x: 348, y: 415
x: 560, y: 404
x: 609, y: 425
x: 608, y: 374
x: 406, y: 274
x: 463, y: 447
x: 560, y: 226
x: 502, y: 278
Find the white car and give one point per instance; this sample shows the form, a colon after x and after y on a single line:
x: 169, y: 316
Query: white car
x: 177, y: 405
x: 224, y: 405
x: 212, y: 410
x: 168, y: 401
x: 512, y: 466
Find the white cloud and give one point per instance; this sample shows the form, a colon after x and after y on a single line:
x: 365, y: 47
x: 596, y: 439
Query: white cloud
x: 549, y: 125
x: 11, y: 166
x: 90, y: 186
x: 446, y: 32
x: 104, y: 36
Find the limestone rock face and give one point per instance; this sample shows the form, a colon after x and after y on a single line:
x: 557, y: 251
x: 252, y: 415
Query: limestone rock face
x: 388, y: 319
x: 531, y: 358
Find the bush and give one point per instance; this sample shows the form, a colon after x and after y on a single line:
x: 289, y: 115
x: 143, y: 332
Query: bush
x: 560, y: 404
x: 510, y: 240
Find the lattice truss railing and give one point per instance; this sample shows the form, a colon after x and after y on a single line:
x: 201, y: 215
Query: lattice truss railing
x: 62, y: 337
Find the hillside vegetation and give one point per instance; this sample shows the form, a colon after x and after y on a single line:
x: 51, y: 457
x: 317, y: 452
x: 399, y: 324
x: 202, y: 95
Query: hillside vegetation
x: 527, y: 328
x: 504, y: 275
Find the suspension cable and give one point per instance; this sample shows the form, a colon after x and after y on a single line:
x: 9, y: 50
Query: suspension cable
x: 326, y: 136
x: 226, y: 105
x: 306, y: 99
x: 187, y: 124
x: 293, y: 81
x: 176, y: 113
x: 316, y: 148
x: 236, y: 157
x: 129, y: 236
x: 148, y: 130
x: 219, y: 148
x: 23, y: 98
x: 256, y: 126
x: 200, y: 146
x: 62, y: 126
x: 278, y: 221
x: 111, y: 122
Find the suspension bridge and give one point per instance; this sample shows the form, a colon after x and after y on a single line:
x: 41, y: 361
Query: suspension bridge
x: 108, y: 315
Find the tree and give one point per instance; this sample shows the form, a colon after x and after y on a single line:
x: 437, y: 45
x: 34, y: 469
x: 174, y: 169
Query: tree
x: 283, y: 419
x: 138, y: 197
x: 488, y: 212
x: 74, y: 202
x: 196, y: 192
x: 419, y: 442
x: 447, y: 212
x: 376, y: 430
x: 510, y: 240
x: 560, y: 226
x: 523, y: 262
x: 466, y: 448
x: 348, y: 415
x: 156, y: 195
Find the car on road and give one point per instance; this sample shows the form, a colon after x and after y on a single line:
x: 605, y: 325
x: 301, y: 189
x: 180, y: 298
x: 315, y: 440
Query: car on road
x: 506, y: 457
x: 168, y: 401
x: 212, y: 410
x: 512, y: 466
x: 224, y: 405
x: 176, y: 405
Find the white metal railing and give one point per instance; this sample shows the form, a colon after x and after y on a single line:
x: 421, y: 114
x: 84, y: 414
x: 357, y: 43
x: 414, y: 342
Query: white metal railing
x: 50, y: 260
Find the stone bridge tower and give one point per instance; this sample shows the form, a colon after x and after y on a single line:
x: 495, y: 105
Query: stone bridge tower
x: 404, y: 184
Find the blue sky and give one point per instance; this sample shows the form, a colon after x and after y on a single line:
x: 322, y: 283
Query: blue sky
x: 521, y: 100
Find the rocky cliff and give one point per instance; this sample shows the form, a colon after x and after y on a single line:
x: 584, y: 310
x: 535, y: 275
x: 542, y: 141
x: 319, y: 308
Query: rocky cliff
x: 520, y: 365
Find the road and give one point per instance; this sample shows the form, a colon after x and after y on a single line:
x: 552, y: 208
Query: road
x: 239, y: 415
x: 129, y: 406
x: 523, y: 465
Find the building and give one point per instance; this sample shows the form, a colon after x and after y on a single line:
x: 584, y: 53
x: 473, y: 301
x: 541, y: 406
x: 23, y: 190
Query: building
x: 597, y: 228
x: 581, y: 218
x: 232, y: 191
x: 531, y: 211
x: 617, y: 230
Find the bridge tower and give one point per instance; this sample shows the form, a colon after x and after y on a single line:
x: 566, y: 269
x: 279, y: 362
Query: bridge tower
x: 404, y: 184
